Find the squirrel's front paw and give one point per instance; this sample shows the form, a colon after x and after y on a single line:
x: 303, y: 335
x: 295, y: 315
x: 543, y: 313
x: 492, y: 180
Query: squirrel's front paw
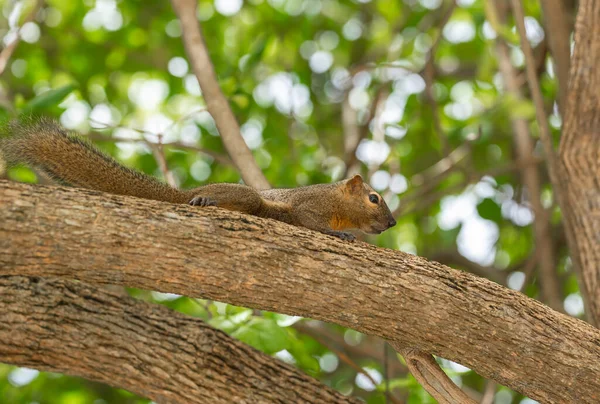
x: 202, y: 201
x: 342, y: 235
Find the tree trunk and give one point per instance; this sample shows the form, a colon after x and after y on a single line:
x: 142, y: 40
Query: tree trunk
x: 268, y: 265
x: 81, y: 330
x: 580, y: 155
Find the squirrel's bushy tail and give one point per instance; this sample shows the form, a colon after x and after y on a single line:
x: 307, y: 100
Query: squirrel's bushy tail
x: 45, y: 145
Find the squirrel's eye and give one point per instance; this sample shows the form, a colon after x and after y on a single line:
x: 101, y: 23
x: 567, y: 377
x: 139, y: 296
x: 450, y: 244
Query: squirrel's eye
x: 374, y: 198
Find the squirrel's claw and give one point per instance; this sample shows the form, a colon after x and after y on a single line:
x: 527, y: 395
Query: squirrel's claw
x: 202, y: 201
x: 342, y: 235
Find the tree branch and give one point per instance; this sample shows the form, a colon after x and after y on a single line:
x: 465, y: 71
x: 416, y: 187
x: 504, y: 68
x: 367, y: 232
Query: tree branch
x: 524, y: 145
x: 263, y: 264
x: 10, y: 48
x: 74, y: 328
x: 579, y: 154
x: 216, y: 103
x: 558, y: 29
x: 428, y: 373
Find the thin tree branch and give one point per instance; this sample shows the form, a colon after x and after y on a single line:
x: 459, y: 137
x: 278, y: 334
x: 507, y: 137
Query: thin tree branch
x: 159, y: 156
x: 346, y: 359
x: 558, y: 29
x: 370, y: 348
x: 216, y: 103
x: 222, y: 159
x: 428, y: 373
x: 10, y: 48
x: 264, y: 264
x: 429, y: 77
x: 82, y: 330
x: 536, y: 95
x: 488, y: 393
x: 551, y: 290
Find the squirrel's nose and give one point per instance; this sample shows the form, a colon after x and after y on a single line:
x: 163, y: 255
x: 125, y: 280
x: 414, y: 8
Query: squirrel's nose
x: 391, y: 223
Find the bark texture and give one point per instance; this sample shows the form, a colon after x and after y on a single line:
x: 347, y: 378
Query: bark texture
x: 263, y: 264
x: 70, y: 327
x: 580, y: 155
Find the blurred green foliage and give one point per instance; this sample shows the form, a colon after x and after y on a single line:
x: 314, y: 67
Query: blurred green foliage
x: 288, y: 67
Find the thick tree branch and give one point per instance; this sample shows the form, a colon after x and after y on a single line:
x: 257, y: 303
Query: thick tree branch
x: 263, y: 264
x: 216, y: 103
x: 81, y: 330
x: 579, y: 155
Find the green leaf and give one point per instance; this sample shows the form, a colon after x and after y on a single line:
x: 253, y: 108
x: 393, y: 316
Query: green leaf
x: 48, y: 98
x: 488, y: 209
x: 263, y: 334
x: 256, y: 53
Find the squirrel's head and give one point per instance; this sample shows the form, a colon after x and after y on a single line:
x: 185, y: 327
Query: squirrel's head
x: 370, y: 213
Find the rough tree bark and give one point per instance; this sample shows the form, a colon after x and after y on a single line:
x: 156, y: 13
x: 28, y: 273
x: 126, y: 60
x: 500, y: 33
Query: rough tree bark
x: 74, y: 328
x: 263, y: 264
x: 579, y: 155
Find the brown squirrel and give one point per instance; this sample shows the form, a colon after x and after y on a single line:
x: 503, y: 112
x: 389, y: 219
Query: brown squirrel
x: 328, y: 208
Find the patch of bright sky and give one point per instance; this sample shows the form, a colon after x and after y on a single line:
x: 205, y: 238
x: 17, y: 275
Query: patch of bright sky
x: 574, y: 304
x: 105, y: 14
x: 30, y: 32
x: 228, y: 7
x: 103, y: 116
x: 283, y: 91
x: 458, y: 31
x: 178, y: 66
x: 148, y: 94
x: 352, y: 29
x: 321, y: 61
x: 200, y: 170
x: 252, y: 133
x: 22, y: 376
x: 372, y: 151
x: 365, y: 383
x: 477, y: 237
x: 329, y: 362
x: 76, y: 113
x: 285, y: 356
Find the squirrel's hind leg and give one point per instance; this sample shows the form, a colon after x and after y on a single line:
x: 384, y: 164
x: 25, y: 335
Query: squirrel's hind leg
x: 236, y: 197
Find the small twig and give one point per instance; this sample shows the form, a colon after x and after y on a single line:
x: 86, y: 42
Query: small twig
x: 557, y: 26
x: 159, y: 156
x: 489, y: 393
x: 536, y: 95
x: 431, y: 377
x: 369, y: 349
x: 180, y: 145
x: 429, y: 77
x: 216, y: 103
x: 10, y: 48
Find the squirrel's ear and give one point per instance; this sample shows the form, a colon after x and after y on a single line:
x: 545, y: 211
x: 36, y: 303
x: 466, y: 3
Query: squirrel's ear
x: 355, y: 183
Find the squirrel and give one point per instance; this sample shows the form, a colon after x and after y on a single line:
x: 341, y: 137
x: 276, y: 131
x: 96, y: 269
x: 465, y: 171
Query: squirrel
x: 72, y: 160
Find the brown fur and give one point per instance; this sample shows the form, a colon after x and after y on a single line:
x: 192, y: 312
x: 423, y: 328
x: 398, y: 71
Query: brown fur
x: 329, y: 208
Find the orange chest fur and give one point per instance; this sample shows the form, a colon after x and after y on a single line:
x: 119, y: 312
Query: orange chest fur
x: 340, y: 223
